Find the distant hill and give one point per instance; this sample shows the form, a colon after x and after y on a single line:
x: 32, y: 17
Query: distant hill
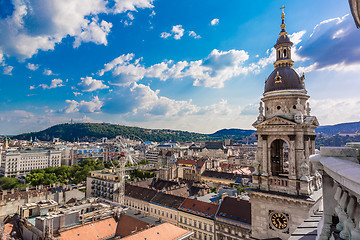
x: 233, y: 132
x: 342, y: 127
x: 93, y: 131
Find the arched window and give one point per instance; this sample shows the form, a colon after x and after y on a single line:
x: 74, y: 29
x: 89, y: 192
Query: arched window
x: 279, y: 158
x: 285, y: 53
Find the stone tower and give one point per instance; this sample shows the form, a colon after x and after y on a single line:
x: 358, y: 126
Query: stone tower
x: 285, y: 187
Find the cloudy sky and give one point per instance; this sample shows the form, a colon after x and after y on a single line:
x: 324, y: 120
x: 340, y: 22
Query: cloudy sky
x: 180, y: 64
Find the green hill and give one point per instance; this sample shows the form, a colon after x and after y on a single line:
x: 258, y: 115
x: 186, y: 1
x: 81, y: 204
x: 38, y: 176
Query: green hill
x: 93, y: 131
x: 342, y: 127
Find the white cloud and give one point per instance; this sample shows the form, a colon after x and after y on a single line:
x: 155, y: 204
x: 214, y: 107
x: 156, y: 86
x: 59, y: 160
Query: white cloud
x: 141, y: 102
x: 77, y: 94
x: 131, y: 5
x: 8, y: 70
x: 153, y: 13
x: 89, y: 84
x: 42, y: 24
x: 85, y: 107
x: 32, y: 66
x: 214, y: 22
x: 94, y: 32
x: 331, y: 110
x: 55, y: 83
x: 165, y: 35
x: 20, y: 116
x: 48, y: 72
x: 218, y: 67
x: 194, y: 35
x: 177, y: 32
x: 130, y: 16
x: 213, y: 71
x: 332, y: 46
x: 125, y: 70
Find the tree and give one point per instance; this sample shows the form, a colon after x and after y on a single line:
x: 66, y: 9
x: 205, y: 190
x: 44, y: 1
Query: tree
x: 10, y: 183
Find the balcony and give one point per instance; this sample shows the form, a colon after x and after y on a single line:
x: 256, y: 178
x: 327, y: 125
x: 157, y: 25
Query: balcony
x: 282, y: 182
x: 340, y: 171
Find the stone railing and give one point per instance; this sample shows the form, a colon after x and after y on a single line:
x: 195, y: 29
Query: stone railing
x: 279, y: 182
x: 340, y: 170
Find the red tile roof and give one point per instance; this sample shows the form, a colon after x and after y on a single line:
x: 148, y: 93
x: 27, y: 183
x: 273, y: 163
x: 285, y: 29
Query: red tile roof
x: 128, y: 225
x: 165, y: 231
x: 102, y: 229
x: 199, y: 208
x: 235, y: 209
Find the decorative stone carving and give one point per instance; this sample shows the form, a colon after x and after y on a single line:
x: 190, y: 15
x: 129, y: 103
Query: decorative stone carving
x: 256, y: 166
x: 304, y: 167
x: 299, y: 106
x: 308, y: 109
x: 261, y: 117
x: 299, y: 117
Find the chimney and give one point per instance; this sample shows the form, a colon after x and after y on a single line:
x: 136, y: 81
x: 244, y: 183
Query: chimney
x: 223, y: 196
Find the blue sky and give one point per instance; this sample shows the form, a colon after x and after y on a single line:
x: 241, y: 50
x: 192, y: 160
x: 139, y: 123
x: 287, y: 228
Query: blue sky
x: 189, y: 65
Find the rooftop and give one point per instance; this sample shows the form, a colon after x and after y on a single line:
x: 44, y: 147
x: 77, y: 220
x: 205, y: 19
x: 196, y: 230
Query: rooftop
x: 102, y: 229
x: 235, y: 209
x: 164, y: 231
x: 128, y: 225
x: 199, y: 208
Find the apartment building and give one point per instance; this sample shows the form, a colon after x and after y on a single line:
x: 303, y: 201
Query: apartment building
x: 198, y: 217
x: 103, y: 184
x: 17, y: 163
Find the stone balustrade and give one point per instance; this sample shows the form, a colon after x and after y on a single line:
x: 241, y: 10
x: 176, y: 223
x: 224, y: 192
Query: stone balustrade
x: 340, y: 170
x: 279, y: 182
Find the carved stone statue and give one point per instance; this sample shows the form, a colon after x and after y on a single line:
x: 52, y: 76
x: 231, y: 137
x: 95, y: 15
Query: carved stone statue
x: 299, y: 117
x: 261, y: 117
x: 308, y: 109
x: 304, y: 167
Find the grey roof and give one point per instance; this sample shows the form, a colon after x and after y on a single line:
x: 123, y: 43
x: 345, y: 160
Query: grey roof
x: 283, y: 39
x: 289, y: 80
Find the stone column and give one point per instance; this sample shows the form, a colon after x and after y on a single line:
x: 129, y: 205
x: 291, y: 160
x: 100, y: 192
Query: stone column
x: 307, y: 148
x: 259, y: 154
x: 299, y: 152
x: 312, y: 138
x: 292, y: 165
x: 264, y: 161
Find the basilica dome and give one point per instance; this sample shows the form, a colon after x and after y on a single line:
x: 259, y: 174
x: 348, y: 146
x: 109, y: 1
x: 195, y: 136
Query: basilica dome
x: 283, y: 78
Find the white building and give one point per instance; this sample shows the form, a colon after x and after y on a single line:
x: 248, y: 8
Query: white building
x: 16, y: 163
x: 102, y: 184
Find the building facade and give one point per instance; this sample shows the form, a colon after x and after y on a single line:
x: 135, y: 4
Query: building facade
x: 233, y: 219
x: 285, y: 187
x: 103, y: 184
x: 17, y: 163
x: 198, y: 217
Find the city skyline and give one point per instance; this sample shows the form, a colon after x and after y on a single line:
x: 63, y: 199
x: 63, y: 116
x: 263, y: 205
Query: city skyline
x: 176, y: 65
